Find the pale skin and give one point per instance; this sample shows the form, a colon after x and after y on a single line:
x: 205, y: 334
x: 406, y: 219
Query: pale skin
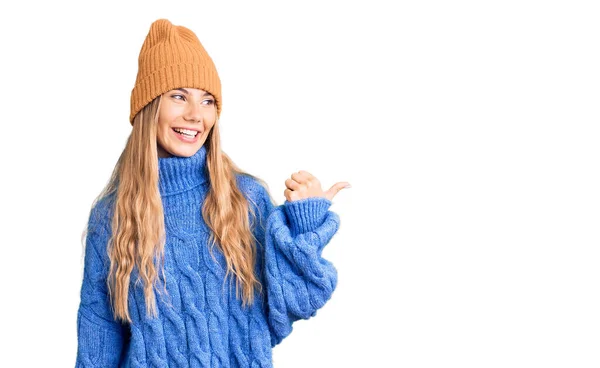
x: 303, y: 184
x: 195, y: 110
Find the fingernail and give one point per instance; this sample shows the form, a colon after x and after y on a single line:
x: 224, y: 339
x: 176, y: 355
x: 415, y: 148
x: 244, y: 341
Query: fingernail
x: 348, y: 186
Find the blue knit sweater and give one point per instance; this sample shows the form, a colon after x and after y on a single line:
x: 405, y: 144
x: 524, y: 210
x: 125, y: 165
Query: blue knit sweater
x: 201, y: 323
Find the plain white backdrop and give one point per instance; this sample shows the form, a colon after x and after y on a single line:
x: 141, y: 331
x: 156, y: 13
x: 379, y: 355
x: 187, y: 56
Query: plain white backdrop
x: 469, y: 131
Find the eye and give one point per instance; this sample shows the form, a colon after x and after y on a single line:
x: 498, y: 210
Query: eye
x: 208, y: 101
x: 178, y: 97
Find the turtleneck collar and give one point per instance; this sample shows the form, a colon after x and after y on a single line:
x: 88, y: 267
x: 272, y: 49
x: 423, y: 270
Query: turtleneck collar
x: 179, y: 174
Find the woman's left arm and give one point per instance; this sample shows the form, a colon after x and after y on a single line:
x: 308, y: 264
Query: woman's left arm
x: 298, y: 280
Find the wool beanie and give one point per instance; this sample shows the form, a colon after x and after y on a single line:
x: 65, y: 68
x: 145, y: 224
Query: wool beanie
x: 172, y: 57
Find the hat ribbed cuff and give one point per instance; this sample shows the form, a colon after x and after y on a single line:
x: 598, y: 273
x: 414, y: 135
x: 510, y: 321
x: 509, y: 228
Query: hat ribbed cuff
x: 172, y: 77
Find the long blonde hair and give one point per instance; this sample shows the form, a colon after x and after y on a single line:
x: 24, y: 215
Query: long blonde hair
x: 138, y: 230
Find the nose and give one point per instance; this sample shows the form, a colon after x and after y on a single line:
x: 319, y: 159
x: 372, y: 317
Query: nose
x: 193, y: 112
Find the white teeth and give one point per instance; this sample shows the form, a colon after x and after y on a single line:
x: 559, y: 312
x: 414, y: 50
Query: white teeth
x: 191, y: 133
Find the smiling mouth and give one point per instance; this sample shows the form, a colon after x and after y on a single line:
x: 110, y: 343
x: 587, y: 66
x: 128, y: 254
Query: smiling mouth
x: 186, y: 132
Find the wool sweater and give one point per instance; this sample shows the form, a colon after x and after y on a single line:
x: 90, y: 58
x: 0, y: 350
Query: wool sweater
x: 201, y: 322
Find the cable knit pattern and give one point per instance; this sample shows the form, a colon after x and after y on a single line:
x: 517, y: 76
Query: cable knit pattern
x: 200, y: 322
x: 300, y: 281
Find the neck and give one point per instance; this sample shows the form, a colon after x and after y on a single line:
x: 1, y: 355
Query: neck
x: 179, y: 174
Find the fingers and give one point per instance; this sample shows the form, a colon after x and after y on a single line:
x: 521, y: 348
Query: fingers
x: 292, y: 184
x: 302, y: 176
x: 290, y: 195
x: 335, y: 189
x: 302, y: 184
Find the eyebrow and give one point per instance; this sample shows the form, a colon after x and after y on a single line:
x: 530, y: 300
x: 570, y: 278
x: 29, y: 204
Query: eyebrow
x: 187, y: 93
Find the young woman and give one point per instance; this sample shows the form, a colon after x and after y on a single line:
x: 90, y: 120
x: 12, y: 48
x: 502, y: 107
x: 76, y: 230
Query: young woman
x: 188, y: 263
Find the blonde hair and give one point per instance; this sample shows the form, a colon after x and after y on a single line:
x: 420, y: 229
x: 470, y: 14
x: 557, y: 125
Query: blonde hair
x: 138, y: 230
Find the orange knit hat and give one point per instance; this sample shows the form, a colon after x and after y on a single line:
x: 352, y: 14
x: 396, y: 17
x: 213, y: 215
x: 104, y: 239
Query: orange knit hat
x: 172, y: 57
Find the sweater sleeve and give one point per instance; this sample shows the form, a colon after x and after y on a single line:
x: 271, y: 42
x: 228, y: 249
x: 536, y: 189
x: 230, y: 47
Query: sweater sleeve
x: 298, y: 279
x: 100, y: 338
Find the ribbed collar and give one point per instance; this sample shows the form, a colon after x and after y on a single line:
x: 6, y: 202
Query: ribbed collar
x: 179, y: 174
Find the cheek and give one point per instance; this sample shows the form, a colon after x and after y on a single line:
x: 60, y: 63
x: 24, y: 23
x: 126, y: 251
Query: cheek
x: 209, y: 121
x: 208, y: 128
x: 162, y: 132
x: 163, y: 127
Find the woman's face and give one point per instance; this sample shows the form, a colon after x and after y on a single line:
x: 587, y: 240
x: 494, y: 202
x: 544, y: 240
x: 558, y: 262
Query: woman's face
x: 185, y: 118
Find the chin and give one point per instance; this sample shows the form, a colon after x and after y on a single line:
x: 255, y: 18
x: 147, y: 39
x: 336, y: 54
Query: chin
x: 188, y: 152
x: 182, y: 154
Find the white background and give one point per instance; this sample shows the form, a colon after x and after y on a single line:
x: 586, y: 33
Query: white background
x: 469, y: 131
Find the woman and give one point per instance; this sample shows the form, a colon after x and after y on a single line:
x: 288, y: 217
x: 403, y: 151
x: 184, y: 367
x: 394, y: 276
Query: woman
x: 188, y: 263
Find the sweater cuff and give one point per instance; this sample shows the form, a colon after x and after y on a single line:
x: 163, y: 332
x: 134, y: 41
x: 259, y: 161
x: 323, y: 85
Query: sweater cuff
x: 306, y: 214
